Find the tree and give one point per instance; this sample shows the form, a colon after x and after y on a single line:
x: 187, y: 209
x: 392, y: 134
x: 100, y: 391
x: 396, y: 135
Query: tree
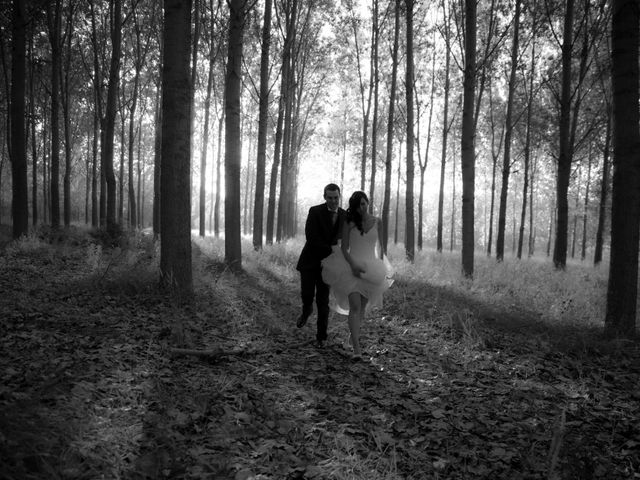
x: 110, y: 115
x: 622, y: 289
x: 390, y: 125
x: 175, y: 172
x: 65, y: 93
x: 468, y: 154
x: 233, y: 146
x: 53, y: 16
x: 604, y: 192
x: 506, y: 164
x: 18, y: 148
x: 258, y: 209
x: 565, y: 156
x: 445, y: 123
x: 409, y: 240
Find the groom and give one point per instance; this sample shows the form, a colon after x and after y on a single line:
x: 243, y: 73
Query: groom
x: 322, y: 230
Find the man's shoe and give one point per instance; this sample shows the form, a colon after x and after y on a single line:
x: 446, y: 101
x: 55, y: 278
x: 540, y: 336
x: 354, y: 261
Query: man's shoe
x: 302, y: 321
x: 321, y: 343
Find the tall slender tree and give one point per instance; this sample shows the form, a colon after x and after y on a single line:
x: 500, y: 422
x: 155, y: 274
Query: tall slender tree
x: 409, y: 240
x: 233, y: 145
x: 622, y: 290
x: 390, y: 126
x: 110, y: 114
x: 20, y: 197
x: 175, y: 173
x: 53, y: 17
x: 445, y: 123
x: 468, y: 154
x: 506, y: 163
x: 258, y: 208
x: 564, y: 158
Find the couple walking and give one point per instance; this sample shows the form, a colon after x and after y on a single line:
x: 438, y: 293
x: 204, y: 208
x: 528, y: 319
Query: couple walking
x: 349, y: 278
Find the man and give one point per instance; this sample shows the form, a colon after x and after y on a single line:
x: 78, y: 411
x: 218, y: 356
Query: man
x: 322, y: 230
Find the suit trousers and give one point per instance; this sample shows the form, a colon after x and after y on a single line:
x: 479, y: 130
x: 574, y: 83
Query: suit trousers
x: 312, y: 285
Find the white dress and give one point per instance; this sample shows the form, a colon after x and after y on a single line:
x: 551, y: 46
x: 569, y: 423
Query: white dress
x: 337, y: 273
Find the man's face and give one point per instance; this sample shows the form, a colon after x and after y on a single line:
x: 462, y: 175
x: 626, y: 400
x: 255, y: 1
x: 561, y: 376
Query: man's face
x: 332, y: 198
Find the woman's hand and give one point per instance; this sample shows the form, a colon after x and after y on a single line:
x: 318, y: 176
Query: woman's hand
x: 357, y: 270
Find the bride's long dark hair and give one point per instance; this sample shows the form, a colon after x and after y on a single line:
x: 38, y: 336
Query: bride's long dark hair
x: 353, y: 214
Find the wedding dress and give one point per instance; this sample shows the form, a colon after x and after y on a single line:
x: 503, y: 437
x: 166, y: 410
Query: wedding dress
x: 372, y: 283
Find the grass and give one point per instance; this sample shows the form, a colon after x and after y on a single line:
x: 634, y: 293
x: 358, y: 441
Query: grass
x: 499, y: 378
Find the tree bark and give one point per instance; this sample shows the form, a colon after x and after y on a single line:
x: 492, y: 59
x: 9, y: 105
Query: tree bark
x: 445, y: 127
x: 409, y: 241
x: 375, y: 74
x: 64, y: 95
x: 564, y: 159
x: 20, y: 196
x: 468, y: 155
x: 233, y: 144
x: 263, y: 118
x: 527, y: 152
x: 175, y: 172
x: 604, y: 193
x: 53, y: 17
x: 506, y: 163
x: 110, y: 116
x: 390, y: 124
x: 622, y: 290
x: 583, y: 252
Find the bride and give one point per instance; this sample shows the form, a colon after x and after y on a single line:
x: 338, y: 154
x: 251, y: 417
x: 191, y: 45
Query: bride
x: 358, y: 272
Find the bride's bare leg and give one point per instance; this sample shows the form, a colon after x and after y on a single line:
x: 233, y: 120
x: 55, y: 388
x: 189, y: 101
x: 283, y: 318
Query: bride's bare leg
x: 355, y: 316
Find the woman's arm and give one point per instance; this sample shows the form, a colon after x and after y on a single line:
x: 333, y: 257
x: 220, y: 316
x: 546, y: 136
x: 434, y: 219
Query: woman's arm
x: 355, y: 268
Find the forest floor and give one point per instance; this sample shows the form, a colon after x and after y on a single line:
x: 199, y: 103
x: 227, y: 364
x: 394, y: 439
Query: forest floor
x: 453, y: 386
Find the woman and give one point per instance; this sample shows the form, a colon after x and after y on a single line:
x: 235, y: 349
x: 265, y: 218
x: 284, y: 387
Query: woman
x: 358, y: 272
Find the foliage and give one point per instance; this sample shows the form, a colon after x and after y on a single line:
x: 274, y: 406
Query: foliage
x: 463, y: 379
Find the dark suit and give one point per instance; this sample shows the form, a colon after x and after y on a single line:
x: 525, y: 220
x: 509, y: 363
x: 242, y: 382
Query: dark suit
x: 321, y: 234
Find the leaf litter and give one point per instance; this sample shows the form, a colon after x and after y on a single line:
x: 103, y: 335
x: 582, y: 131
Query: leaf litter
x: 94, y: 384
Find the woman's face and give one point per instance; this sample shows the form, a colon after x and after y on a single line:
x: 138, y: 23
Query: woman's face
x: 364, y: 206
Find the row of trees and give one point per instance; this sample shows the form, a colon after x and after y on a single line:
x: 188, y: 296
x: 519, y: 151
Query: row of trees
x: 521, y: 87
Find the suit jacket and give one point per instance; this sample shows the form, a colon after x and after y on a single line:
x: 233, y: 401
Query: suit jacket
x: 320, y: 236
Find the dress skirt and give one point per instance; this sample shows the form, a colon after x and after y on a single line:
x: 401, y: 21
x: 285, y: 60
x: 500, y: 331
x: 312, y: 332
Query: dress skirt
x: 376, y: 279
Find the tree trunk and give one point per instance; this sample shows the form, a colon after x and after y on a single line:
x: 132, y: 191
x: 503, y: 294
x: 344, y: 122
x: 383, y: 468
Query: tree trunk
x: 233, y: 144
x: 110, y: 116
x: 390, y: 122
x: 64, y: 95
x: 468, y: 154
x: 218, y: 176
x: 375, y: 75
x: 564, y: 159
x: 583, y: 253
x: 54, y: 37
x: 157, y: 166
x: 263, y: 118
x: 20, y: 197
x: 445, y: 127
x: 34, y: 149
x: 409, y: 241
x: 622, y: 290
x: 423, y: 166
x: 506, y: 164
x: 205, y: 135
x: 604, y: 191
x: 396, y: 230
x: 532, y: 229
x: 527, y: 152
x: 175, y: 176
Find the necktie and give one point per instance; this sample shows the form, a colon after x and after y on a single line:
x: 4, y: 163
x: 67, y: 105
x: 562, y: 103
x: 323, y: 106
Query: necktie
x: 334, y: 217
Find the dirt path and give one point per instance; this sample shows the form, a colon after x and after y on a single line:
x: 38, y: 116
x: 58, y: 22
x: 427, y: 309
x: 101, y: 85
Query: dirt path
x: 452, y: 388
